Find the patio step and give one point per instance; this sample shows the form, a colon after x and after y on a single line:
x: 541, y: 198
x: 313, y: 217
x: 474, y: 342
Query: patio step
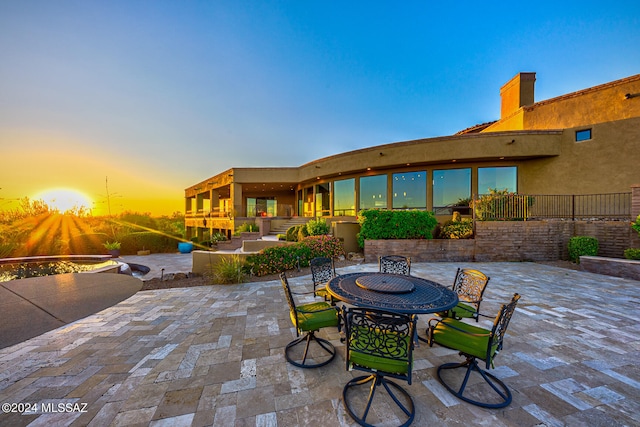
x: 298, y: 220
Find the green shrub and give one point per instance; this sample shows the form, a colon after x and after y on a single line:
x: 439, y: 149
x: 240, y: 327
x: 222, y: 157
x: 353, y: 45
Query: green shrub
x: 247, y: 227
x: 281, y: 236
x: 386, y: 224
x: 218, y: 237
x: 228, y: 270
x: 324, y: 246
x: 88, y: 244
x: 302, y: 232
x: 292, y: 233
x: 317, y: 227
x: 6, y: 249
x: 279, y: 258
x: 452, y: 229
x: 636, y: 225
x: 147, y: 240
x: 582, y: 245
x: 632, y: 253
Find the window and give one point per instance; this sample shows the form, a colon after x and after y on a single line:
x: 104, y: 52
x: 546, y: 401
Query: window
x: 344, y: 197
x: 307, y: 201
x: 261, y: 206
x: 323, y: 207
x: 450, y: 186
x: 373, y: 192
x: 410, y: 190
x: 583, y: 135
x: 500, y: 178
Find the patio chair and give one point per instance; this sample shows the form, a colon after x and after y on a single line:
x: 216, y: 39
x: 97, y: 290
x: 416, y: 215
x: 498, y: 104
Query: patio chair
x: 474, y: 343
x: 322, y: 270
x: 381, y: 344
x: 469, y: 285
x: 395, y: 264
x: 308, y: 319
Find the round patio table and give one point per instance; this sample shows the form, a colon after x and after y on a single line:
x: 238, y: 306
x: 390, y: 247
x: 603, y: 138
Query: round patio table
x: 392, y: 292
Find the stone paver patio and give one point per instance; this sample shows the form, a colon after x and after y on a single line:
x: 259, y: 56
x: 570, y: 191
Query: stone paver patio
x: 214, y: 356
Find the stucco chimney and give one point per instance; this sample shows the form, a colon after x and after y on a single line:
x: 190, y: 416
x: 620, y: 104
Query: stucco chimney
x: 516, y: 93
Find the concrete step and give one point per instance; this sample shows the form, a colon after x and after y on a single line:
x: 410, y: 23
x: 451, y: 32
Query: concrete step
x: 292, y: 222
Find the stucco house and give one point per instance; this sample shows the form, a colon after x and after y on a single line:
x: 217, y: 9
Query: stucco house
x: 585, y: 142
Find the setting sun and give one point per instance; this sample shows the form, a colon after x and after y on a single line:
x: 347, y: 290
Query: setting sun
x: 64, y: 199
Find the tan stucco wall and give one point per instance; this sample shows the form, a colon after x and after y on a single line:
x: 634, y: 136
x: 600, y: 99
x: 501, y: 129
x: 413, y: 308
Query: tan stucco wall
x: 435, y: 151
x: 598, y: 104
x: 517, y: 92
x: 608, y: 163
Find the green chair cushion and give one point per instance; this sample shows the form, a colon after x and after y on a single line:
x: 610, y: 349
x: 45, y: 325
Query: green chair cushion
x: 381, y: 360
x: 461, y: 310
x: 322, y: 292
x: 314, y: 316
x: 461, y: 341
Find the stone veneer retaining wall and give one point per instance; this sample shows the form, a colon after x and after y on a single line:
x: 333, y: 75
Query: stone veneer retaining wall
x: 629, y: 269
x: 512, y: 241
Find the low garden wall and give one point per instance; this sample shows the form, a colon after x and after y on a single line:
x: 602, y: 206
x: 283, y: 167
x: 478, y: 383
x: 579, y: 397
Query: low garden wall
x: 203, y: 260
x: 626, y: 268
x: 545, y: 240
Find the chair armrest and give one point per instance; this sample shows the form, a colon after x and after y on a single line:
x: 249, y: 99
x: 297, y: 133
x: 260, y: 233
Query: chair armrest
x: 486, y: 315
x: 303, y: 293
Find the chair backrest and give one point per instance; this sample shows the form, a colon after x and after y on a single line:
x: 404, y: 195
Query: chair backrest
x: 396, y: 264
x: 380, y: 341
x: 500, y: 325
x: 290, y: 300
x: 322, y: 270
x: 470, y: 284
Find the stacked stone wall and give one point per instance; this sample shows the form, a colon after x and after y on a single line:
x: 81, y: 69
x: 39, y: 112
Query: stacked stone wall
x: 512, y: 241
x: 522, y: 241
x: 613, y: 236
x: 439, y: 250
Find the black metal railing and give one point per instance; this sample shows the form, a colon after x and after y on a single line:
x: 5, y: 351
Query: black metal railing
x: 492, y: 207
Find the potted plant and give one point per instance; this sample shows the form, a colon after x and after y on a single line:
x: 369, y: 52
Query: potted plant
x: 113, y: 248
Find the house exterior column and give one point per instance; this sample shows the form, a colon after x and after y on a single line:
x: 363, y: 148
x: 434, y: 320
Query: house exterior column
x: 236, y: 199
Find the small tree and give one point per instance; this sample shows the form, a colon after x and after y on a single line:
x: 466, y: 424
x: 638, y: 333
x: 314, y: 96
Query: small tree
x: 457, y: 228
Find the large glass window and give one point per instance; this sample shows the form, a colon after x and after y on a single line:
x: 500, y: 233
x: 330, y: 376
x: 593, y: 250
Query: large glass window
x: 451, y: 186
x: 344, y: 197
x: 261, y: 206
x: 410, y: 190
x: 500, y: 178
x: 373, y: 192
x: 307, y: 199
x: 323, y: 205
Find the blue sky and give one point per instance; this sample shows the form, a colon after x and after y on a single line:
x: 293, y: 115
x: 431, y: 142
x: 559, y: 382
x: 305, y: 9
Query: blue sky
x: 158, y: 95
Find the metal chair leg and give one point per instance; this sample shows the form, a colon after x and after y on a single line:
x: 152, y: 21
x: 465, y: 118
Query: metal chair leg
x: 471, y: 365
x: 308, y: 338
x: 377, y: 380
